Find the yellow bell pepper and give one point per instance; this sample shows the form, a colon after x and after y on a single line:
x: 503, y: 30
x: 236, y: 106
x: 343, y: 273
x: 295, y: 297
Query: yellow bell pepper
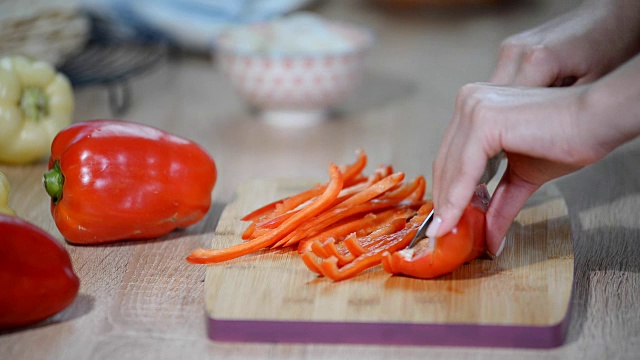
x: 36, y: 102
x: 4, y: 196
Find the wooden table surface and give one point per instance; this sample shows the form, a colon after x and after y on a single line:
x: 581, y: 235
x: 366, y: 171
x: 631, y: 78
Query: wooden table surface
x: 142, y: 300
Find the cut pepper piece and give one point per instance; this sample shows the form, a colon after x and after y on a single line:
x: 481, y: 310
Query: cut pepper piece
x: 202, y: 256
x: 465, y: 243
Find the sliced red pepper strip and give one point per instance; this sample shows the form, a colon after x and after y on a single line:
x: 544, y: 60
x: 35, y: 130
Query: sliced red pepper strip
x: 276, y: 221
x: 356, y: 188
x: 318, y: 250
x: 260, y: 212
x: 315, y: 228
x: 393, y: 242
x: 372, y: 191
x: 248, y: 232
x: 313, y: 265
x: 359, y: 246
x: 388, y: 243
x: 418, y: 194
x: 272, y: 215
x: 354, y: 246
x: 351, y: 174
x: 403, y: 191
x: 294, y: 201
x: 331, y: 249
x: 350, y: 177
x: 362, y: 226
x: 384, y: 170
x: 279, y: 219
x: 202, y: 256
x: 379, y: 174
x: 324, y: 251
x: 346, y: 208
x: 257, y: 232
x: 345, y: 195
x: 281, y: 206
x: 357, y: 180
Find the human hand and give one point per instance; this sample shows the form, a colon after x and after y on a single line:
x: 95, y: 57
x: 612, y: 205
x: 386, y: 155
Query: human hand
x: 545, y: 132
x: 571, y: 48
x: 540, y: 131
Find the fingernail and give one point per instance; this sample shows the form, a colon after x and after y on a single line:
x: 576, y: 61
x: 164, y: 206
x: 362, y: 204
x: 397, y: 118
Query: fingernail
x: 501, y: 247
x: 432, y: 230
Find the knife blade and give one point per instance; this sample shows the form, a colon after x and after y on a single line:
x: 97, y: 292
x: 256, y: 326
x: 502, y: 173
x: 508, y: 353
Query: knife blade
x: 490, y: 171
x: 422, y: 230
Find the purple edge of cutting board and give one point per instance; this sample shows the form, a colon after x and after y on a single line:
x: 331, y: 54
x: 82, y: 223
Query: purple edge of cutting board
x: 270, y: 331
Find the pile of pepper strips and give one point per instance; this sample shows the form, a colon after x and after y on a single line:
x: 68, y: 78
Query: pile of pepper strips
x: 355, y: 222
x: 347, y: 223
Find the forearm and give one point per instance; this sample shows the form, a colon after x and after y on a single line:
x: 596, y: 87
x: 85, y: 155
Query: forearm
x: 612, y: 108
x: 617, y: 28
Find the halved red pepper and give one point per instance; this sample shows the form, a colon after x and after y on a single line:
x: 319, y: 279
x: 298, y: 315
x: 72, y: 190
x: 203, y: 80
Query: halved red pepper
x: 36, y: 274
x: 113, y: 180
x: 463, y: 244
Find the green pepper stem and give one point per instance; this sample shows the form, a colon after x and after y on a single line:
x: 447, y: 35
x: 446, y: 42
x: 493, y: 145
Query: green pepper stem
x: 34, y: 103
x: 53, y: 182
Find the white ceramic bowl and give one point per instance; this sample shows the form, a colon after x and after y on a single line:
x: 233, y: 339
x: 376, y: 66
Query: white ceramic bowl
x: 295, y: 88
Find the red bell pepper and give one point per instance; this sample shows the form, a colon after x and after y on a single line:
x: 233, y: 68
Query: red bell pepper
x: 36, y: 275
x: 113, y: 180
x: 463, y: 244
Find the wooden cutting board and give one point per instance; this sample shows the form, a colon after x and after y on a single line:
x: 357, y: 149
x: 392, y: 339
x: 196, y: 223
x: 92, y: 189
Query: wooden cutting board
x: 522, y: 299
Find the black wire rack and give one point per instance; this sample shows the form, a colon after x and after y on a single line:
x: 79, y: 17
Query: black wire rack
x: 111, y: 60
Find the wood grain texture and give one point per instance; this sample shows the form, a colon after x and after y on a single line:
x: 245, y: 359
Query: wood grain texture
x: 529, y: 287
x: 140, y: 300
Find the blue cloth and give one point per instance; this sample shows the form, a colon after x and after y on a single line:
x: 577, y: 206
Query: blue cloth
x: 188, y: 23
